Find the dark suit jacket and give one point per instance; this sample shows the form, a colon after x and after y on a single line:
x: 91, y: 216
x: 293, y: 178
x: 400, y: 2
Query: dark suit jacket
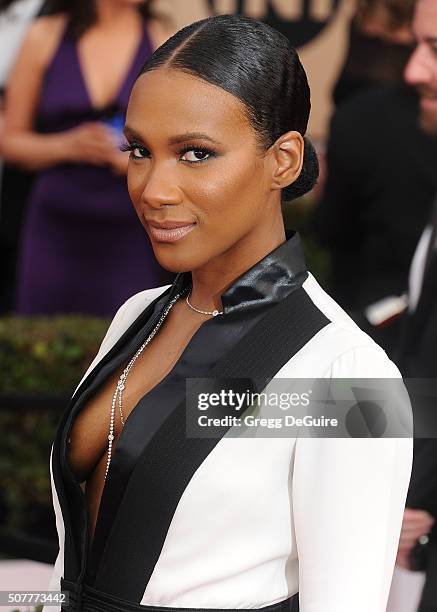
x: 417, y: 358
x: 377, y: 197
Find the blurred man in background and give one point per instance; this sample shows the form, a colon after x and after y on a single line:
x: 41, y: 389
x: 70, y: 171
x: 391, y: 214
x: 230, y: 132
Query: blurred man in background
x: 380, y: 186
x: 380, y: 193
x: 417, y: 352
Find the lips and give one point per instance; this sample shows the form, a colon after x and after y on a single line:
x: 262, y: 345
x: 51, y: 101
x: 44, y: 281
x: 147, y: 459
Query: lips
x: 170, y: 231
x: 428, y: 98
x: 426, y: 93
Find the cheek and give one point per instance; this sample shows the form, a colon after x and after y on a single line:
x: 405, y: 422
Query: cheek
x: 231, y: 183
x: 135, y: 184
x: 228, y: 187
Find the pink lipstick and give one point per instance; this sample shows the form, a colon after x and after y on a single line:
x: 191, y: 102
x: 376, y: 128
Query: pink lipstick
x: 170, y: 231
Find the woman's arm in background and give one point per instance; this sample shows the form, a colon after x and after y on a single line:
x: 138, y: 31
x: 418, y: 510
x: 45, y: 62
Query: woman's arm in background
x: 20, y: 144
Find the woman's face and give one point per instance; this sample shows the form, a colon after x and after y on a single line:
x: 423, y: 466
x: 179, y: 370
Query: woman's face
x: 195, y: 160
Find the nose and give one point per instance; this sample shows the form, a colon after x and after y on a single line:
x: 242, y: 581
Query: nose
x: 160, y: 187
x: 417, y: 71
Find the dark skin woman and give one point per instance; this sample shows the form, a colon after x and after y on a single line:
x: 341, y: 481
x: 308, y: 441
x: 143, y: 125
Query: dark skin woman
x: 215, y: 130
x: 225, y: 191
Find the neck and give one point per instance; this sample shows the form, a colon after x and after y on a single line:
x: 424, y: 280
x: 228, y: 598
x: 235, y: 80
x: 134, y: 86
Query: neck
x: 111, y: 12
x: 212, y: 280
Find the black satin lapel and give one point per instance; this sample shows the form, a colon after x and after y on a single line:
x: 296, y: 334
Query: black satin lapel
x: 270, y: 279
x: 124, y: 459
x: 71, y: 561
x: 169, y: 461
x: 71, y: 497
x: 219, y: 335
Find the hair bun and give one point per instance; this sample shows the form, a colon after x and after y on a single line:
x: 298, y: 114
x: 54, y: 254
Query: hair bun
x: 308, y: 176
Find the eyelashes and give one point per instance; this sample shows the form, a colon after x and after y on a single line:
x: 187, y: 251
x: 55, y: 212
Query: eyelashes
x: 196, y: 149
x: 131, y: 147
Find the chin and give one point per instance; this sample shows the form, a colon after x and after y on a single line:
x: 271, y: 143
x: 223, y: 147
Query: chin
x: 174, y: 260
x: 428, y: 122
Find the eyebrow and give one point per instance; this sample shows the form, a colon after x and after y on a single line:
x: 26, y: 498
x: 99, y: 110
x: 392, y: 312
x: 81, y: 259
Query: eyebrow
x: 191, y: 136
x: 128, y: 132
x: 431, y: 40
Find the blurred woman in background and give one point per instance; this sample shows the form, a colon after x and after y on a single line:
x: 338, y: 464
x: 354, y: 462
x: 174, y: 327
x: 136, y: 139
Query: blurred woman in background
x: 15, y: 182
x: 65, y: 105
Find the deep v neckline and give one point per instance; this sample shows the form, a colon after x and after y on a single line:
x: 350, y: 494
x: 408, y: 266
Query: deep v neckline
x: 118, y: 91
x: 123, y: 460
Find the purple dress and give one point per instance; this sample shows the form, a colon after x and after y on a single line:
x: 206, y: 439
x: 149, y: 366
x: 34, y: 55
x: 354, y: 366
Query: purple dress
x: 83, y: 248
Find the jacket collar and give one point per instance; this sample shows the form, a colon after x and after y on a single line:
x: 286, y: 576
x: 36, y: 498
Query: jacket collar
x: 266, y: 283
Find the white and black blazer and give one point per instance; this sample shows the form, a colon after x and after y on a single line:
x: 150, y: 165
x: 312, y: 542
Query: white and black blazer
x: 245, y: 523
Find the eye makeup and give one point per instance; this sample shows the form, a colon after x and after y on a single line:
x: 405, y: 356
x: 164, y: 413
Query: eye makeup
x: 195, y: 148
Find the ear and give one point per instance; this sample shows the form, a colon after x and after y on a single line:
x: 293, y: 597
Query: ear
x: 287, y: 155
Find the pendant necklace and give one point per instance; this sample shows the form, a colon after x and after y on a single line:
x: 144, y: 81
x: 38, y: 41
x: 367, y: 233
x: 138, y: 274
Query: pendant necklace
x: 122, y: 380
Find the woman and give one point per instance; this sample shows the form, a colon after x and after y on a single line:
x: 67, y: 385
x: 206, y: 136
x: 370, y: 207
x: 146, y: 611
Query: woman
x: 15, y: 183
x: 66, y: 97
x: 148, y: 515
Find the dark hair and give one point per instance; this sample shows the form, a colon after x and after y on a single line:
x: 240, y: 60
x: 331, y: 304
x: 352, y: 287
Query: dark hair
x: 83, y: 13
x: 400, y: 13
x: 256, y: 64
x: 4, y: 4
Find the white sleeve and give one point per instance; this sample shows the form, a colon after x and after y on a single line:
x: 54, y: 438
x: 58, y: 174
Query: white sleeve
x: 348, y: 501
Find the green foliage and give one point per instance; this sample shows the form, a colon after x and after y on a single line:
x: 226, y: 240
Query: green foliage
x: 298, y: 216
x: 24, y: 465
x: 41, y: 355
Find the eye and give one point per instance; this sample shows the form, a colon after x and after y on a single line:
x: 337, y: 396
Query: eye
x: 196, y: 155
x: 136, y: 150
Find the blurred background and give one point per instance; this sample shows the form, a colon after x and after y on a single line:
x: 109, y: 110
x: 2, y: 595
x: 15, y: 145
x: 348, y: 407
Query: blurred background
x: 63, y: 182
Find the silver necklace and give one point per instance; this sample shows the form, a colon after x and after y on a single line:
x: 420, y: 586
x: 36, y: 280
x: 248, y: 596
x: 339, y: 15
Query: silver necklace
x: 122, y: 380
x: 214, y: 313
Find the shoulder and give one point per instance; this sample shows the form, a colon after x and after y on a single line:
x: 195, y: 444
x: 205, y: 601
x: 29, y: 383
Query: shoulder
x: 48, y: 24
x: 341, y: 349
x: 131, y: 309
x: 42, y: 37
x: 125, y: 315
x: 134, y: 305
x: 143, y: 298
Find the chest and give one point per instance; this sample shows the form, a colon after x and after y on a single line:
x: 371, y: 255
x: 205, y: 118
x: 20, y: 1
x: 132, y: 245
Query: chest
x: 89, y: 434
x: 97, y: 71
x: 88, y: 448
x: 105, y: 63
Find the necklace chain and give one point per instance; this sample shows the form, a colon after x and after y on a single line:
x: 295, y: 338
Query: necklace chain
x: 122, y: 380
x: 214, y: 313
